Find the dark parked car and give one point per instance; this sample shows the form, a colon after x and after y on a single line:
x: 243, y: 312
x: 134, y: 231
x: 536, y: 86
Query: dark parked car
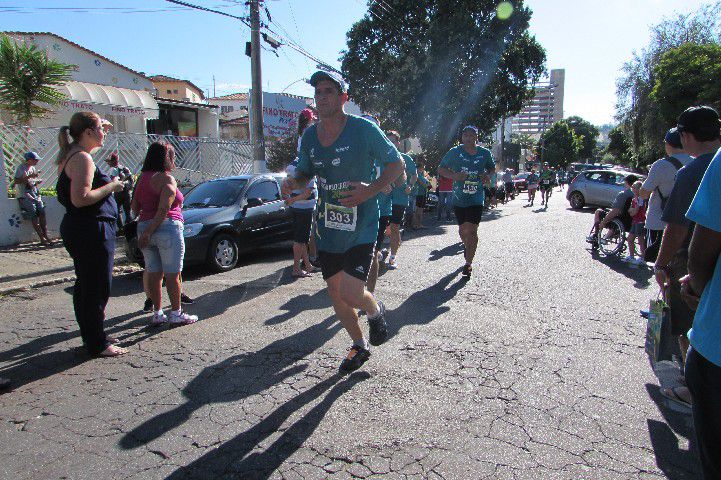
x: 227, y: 215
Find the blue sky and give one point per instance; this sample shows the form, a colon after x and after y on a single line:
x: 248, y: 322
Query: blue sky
x: 589, y: 38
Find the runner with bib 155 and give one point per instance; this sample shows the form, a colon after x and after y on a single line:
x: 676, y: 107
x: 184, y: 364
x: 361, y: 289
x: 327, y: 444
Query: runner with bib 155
x: 343, y: 151
x: 469, y: 166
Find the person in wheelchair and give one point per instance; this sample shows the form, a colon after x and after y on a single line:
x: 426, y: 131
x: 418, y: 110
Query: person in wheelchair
x: 619, y: 210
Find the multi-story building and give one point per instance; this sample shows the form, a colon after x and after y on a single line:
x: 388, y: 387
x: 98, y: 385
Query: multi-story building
x: 545, y: 108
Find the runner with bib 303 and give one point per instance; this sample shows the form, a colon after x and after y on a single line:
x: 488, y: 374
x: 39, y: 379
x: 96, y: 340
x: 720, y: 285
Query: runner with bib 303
x: 343, y: 151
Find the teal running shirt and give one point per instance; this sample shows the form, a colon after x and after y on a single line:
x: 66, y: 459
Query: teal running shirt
x: 353, y: 157
x: 470, y: 191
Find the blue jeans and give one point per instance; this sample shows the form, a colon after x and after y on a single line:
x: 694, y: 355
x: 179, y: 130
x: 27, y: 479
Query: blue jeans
x: 166, y: 249
x: 445, y: 204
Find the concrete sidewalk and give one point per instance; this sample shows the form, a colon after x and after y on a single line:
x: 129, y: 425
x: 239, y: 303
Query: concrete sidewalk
x: 32, y: 265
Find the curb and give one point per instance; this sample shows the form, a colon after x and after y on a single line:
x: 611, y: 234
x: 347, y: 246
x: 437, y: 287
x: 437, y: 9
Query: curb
x: 117, y: 271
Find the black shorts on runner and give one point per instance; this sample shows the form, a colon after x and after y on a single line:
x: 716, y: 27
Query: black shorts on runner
x: 302, y: 222
x: 382, y: 224
x: 399, y: 212
x: 470, y: 214
x: 546, y: 187
x: 420, y: 201
x: 356, y: 262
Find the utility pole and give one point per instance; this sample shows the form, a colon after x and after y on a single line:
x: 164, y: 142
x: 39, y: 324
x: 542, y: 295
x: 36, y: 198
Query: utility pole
x: 213, y: 85
x: 256, y: 117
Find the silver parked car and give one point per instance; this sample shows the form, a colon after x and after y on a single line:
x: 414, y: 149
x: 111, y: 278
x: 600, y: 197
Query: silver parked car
x: 597, y: 187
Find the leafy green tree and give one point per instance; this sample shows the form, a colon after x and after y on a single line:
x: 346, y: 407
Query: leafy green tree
x: 428, y: 67
x: 618, y: 145
x: 587, y: 134
x: 27, y: 80
x: 637, y: 112
x: 281, y: 152
x: 559, y: 145
x: 685, y: 76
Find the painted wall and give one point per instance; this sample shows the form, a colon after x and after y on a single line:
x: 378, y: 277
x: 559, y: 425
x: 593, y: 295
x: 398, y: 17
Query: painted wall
x: 184, y: 91
x: 91, y: 68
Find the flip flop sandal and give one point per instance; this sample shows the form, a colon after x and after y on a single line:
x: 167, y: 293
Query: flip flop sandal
x: 670, y: 394
x: 301, y: 275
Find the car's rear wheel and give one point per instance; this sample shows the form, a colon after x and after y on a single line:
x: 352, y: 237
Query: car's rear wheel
x: 577, y: 200
x: 223, y: 253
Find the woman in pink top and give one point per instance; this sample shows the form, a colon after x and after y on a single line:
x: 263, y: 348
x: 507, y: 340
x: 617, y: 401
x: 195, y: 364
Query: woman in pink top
x: 159, y: 202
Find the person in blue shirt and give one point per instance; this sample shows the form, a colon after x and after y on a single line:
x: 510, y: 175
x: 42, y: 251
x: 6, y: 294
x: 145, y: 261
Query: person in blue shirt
x: 402, y: 196
x: 343, y: 151
x: 469, y: 166
x: 703, y: 360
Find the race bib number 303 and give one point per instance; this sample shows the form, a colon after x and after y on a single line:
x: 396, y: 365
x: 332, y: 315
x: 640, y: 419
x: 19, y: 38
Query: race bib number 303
x: 339, y: 217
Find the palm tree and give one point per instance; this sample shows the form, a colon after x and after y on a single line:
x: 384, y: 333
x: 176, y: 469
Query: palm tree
x: 27, y: 78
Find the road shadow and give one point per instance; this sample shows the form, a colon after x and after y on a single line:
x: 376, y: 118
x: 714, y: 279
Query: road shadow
x: 675, y: 463
x: 641, y: 275
x: 236, y: 378
x: 426, y: 305
x: 301, y: 303
x: 232, y: 458
x: 449, y: 251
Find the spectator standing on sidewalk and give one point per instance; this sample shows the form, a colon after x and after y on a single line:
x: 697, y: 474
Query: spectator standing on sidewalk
x: 158, y: 202
x: 657, y: 187
x: 703, y: 362
x: 507, y: 179
x: 28, y: 195
x: 122, y: 198
x: 699, y: 131
x: 445, y: 197
x: 637, y: 211
x: 89, y: 226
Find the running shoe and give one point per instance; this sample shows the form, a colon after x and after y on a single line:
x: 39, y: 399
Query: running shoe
x: 355, y: 359
x: 384, y: 255
x: 467, y: 269
x: 629, y: 259
x: 182, y: 318
x: 186, y: 300
x: 158, y: 319
x: 640, y: 261
x: 392, y: 263
x: 377, y: 327
x: 148, y: 306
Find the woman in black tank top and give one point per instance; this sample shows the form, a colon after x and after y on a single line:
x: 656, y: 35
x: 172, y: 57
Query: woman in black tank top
x: 88, y: 227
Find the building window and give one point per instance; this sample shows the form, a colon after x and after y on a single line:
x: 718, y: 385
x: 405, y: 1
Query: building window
x: 226, y: 108
x: 169, y: 91
x: 175, y: 91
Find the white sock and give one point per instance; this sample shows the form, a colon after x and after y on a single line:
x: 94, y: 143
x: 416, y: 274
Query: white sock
x: 159, y: 313
x: 176, y: 312
x: 361, y: 343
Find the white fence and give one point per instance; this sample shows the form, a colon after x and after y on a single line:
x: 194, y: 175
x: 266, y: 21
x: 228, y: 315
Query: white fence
x: 197, y: 159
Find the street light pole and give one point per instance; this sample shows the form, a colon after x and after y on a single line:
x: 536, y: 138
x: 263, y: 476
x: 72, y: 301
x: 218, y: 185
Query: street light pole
x: 256, y: 117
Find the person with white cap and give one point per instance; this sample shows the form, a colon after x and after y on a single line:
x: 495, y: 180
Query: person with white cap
x: 343, y: 151
x: 28, y: 195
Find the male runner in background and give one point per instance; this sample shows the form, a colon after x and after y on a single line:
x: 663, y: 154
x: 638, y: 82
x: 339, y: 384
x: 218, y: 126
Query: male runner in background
x: 469, y: 165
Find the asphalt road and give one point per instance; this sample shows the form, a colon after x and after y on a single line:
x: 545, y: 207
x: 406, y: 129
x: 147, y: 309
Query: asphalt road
x: 533, y: 369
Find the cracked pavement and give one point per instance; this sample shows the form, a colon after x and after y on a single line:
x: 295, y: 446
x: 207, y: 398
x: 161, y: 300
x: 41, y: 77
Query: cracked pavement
x: 533, y: 369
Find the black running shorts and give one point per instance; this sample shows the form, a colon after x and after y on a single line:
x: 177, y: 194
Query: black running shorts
x: 470, y: 214
x: 302, y: 221
x: 382, y: 224
x: 356, y: 262
x: 399, y: 212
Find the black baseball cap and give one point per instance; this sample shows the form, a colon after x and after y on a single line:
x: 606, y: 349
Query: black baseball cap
x: 703, y: 120
x: 332, y: 76
x: 673, y: 138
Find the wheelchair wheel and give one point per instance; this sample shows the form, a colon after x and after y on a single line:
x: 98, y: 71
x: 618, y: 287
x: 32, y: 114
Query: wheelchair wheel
x: 612, y: 239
